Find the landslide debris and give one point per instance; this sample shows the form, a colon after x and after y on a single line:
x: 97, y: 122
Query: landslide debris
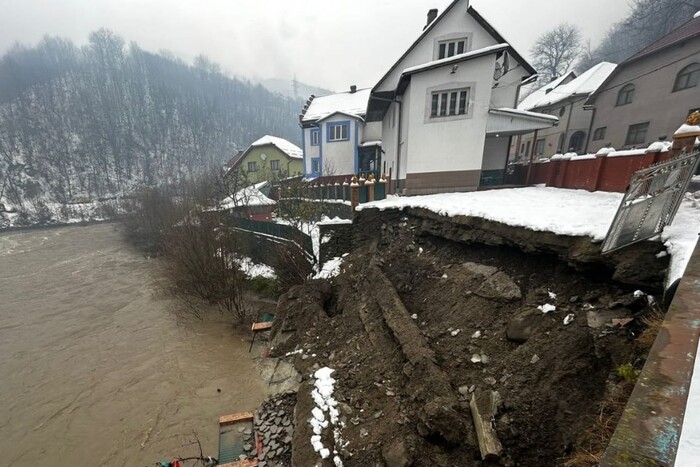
x: 416, y: 326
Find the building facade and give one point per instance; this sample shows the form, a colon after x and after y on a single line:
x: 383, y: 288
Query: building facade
x: 447, y: 106
x: 649, y: 93
x: 564, y: 98
x: 267, y: 159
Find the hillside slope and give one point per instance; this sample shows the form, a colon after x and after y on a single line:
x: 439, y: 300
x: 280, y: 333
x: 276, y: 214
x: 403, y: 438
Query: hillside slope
x: 94, y: 122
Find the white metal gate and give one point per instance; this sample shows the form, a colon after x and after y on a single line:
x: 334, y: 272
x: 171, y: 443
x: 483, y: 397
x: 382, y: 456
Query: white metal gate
x: 651, y: 201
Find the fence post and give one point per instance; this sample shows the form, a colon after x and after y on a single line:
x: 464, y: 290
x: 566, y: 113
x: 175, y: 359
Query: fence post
x: 370, y: 188
x: 684, y: 138
x: 354, y: 193
x: 383, y: 184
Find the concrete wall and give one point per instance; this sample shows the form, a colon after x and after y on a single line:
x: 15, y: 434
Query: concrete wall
x: 458, y: 23
x: 654, y: 99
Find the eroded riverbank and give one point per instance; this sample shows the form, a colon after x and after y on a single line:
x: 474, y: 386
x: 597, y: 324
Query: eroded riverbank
x: 94, y: 368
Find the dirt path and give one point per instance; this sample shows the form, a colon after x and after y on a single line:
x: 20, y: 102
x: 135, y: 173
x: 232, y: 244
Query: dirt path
x: 94, y: 369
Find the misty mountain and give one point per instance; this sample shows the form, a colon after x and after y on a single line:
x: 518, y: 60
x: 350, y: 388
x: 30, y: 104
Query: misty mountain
x: 286, y: 87
x: 97, y: 121
x: 647, y: 22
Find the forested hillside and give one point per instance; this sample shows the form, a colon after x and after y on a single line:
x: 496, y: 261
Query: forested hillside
x: 648, y: 21
x: 96, y: 121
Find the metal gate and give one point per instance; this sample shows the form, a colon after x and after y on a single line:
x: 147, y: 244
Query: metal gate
x: 651, y: 201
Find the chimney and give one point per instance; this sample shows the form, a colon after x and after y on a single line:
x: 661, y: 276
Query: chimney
x: 353, y: 89
x: 432, y: 14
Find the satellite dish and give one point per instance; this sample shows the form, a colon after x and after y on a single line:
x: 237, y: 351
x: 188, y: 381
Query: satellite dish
x: 263, y: 156
x: 498, y: 72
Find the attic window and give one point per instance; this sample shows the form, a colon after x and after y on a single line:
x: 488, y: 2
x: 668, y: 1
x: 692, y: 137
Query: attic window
x: 451, y: 47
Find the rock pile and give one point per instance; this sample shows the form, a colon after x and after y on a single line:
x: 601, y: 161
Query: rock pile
x: 274, y: 423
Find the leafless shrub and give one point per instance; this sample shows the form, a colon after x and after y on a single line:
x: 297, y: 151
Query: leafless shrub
x: 199, y: 268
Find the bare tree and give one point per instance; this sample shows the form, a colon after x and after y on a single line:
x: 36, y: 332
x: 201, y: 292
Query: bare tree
x: 556, y: 51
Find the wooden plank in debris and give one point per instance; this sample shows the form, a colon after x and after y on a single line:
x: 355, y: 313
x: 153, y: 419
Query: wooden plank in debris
x: 235, y: 418
x: 245, y: 463
x: 484, y: 410
x: 261, y: 326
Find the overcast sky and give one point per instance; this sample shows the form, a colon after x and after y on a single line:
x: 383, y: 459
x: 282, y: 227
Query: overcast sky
x: 327, y: 43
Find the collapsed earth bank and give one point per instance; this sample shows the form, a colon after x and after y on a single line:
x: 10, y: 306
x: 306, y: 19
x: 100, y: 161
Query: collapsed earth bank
x: 431, y: 313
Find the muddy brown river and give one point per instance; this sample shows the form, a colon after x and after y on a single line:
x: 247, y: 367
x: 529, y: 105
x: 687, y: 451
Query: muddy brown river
x: 95, y: 368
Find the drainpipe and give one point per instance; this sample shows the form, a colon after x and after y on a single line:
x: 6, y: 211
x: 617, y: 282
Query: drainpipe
x: 590, y: 129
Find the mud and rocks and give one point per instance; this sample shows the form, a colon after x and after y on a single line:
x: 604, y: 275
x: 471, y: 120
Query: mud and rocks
x: 418, y: 324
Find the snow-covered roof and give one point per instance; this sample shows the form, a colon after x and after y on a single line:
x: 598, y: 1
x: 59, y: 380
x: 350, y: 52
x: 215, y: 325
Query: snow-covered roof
x: 455, y: 58
x: 584, y: 85
x: 248, y: 196
x: 349, y: 103
x: 290, y: 149
x: 530, y: 102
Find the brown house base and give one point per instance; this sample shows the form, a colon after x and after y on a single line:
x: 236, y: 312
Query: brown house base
x: 442, y: 182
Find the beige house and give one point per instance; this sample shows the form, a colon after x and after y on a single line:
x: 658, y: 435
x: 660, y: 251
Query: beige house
x: 563, y: 98
x: 649, y: 93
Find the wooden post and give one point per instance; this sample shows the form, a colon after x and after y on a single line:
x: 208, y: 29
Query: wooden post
x: 384, y: 183
x: 483, y: 410
x: 345, y: 189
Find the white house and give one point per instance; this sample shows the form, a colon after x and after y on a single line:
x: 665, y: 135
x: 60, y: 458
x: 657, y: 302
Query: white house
x: 336, y: 140
x: 448, y: 105
x: 441, y: 119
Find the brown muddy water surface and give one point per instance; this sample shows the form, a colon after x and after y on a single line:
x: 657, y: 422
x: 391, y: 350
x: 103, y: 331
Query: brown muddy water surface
x: 95, y: 369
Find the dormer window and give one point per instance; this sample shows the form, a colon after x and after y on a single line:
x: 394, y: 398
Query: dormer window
x: 452, y: 47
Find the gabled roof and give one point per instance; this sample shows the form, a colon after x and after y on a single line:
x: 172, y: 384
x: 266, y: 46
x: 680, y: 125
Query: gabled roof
x: 350, y: 103
x: 584, y: 85
x: 680, y: 34
x: 479, y: 19
x: 359, y: 117
x: 453, y: 60
x: 290, y: 149
x: 533, y: 98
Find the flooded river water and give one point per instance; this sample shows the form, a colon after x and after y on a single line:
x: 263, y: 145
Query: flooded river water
x: 94, y: 368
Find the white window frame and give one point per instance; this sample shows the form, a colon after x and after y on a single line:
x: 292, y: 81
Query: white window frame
x: 449, y: 103
x: 336, y: 130
x: 455, y: 38
x: 315, y: 136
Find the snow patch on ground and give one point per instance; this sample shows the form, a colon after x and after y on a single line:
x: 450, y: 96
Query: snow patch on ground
x: 330, y: 269
x: 253, y: 269
x: 322, y: 395
x: 557, y: 210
